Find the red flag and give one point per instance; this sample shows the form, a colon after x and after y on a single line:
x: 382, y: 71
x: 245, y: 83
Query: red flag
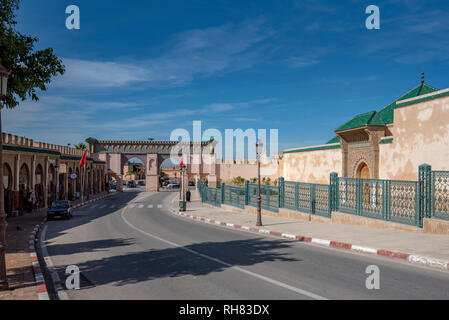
x: 83, y: 159
x: 180, y: 165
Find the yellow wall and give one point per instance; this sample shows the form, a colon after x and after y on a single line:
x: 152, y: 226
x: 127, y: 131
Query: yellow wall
x: 421, y: 135
x: 312, y: 166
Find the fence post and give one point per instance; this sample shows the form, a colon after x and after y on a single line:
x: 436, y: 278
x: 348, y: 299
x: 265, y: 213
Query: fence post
x: 387, y: 200
x: 297, y: 196
x: 246, y: 192
x: 312, y: 198
x: 281, y: 192
x: 425, y: 191
x: 358, y: 204
x: 222, y: 192
x: 333, y: 191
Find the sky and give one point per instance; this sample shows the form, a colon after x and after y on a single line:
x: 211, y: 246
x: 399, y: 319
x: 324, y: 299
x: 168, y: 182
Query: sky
x: 140, y: 69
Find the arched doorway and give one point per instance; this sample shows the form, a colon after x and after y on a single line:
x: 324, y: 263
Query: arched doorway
x: 24, y: 189
x: 363, y: 171
x: 51, y: 185
x: 7, y: 185
x: 39, y: 186
x: 70, y: 185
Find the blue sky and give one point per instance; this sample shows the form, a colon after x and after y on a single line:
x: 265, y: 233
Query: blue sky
x: 144, y: 68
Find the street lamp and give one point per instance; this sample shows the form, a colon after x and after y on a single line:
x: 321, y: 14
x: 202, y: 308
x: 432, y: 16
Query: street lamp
x: 4, y: 73
x: 259, y: 148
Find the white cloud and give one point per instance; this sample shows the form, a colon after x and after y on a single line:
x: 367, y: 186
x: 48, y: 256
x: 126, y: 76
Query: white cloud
x: 200, y: 52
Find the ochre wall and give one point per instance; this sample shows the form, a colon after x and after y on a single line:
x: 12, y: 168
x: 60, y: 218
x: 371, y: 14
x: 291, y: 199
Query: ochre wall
x: 312, y: 166
x: 421, y: 135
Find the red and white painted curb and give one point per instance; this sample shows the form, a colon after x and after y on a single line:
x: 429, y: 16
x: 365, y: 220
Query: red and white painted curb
x: 428, y: 261
x: 38, y: 275
x: 93, y: 200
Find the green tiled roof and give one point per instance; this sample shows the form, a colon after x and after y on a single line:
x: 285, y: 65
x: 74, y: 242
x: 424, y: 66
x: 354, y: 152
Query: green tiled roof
x: 313, y: 149
x: 387, y: 113
x: 28, y: 149
x: 334, y: 140
x: 370, y: 118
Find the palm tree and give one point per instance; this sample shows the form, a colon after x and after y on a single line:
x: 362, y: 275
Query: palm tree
x: 81, y: 146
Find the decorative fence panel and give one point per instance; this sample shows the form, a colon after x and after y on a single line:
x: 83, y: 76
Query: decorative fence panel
x: 308, y: 198
x: 269, y: 197
x: 440, y: 194
x: 234, y: 196
x: 404, y: 203
x: 211, y: 196
x: 389, y: 200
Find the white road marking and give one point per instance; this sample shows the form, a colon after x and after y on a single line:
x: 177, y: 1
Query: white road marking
x: 250, y: 273
x: 150, y: 206
x: 140, y: 206
x: 132, y: 206
x: 50, y: 266
x: 112, y: 206
x: 159, y: 206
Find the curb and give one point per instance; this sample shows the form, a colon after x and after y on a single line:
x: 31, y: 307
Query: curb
x: 415, y: 259
x: 41, y: 287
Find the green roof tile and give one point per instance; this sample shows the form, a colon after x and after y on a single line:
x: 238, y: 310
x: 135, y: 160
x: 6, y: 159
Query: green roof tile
x: 387, y: 113
x: 334, y: 140
x: 369, y: 118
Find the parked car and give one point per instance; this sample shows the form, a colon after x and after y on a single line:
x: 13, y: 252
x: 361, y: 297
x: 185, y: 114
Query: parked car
x: 191, y: 183
x: 174, y: 185
x: 132, y: 184
x: 61, y: 209
x: 124, y: 183
x: 141, y: 183
x: 113, y: 184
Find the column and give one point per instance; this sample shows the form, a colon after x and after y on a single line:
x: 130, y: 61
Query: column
x: 57, y: 179
x: 66, y: 183
x: 152, y: 179
x: 45, y: 182
x: 15, y: 206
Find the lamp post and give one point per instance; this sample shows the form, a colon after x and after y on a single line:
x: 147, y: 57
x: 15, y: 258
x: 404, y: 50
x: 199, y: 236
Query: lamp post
x: 259, y: 146
x: 4, y: 73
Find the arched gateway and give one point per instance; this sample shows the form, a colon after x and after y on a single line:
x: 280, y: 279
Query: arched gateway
x: 198, y: 157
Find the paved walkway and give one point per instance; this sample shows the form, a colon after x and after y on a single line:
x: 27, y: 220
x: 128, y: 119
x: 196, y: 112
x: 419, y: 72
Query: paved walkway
x: 20, y: 273
x: 435, y: 246
x: 22, y: 283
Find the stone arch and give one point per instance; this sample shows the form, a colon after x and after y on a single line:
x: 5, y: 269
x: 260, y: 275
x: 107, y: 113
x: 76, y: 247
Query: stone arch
x: 362, y: 170
x: 7, y: 176
x: 24, y: 176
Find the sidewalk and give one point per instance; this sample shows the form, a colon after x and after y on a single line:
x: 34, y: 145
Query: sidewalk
x: 22, y: 285
x: 421, y: 248
x: 19, y: 263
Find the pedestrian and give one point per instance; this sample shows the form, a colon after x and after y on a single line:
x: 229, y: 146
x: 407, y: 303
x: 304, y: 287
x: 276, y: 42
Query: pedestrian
x: 188, y: 194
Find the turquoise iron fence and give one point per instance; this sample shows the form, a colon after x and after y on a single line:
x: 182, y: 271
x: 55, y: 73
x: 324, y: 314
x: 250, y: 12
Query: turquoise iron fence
x: 269, y: 197
x: 440, y: 194
x: 234, y: 196
x: 211, y: 196
x: 388, y: 200
x: 307, y: 197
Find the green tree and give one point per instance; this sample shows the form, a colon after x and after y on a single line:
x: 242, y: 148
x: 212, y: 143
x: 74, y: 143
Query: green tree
x: 31, y: 70
x: 238, y: 181
x: 81, y: 146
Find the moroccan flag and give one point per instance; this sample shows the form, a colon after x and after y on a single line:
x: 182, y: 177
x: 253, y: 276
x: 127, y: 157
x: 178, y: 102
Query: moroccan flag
x: 180, y: 165
x: 83, y: 159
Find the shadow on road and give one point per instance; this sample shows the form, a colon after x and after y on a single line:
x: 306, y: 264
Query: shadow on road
x: 149, y: 265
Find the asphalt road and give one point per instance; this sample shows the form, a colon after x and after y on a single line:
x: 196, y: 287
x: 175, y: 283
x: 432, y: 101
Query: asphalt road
x: 130, y: 247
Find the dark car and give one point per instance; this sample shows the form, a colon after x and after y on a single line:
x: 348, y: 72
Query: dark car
x: 141, y: 183
x: 191, y: 183
x: 132, y: 184
x: 61, y: 209
x: 113, y: 184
